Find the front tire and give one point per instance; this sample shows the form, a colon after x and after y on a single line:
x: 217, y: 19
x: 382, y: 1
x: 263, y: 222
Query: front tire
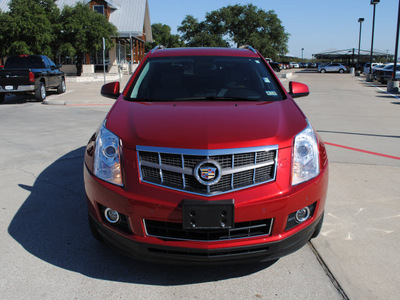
x: 2, y: 97
x: 341, y: 71
x: 323, y: 70
x: 40, y: 93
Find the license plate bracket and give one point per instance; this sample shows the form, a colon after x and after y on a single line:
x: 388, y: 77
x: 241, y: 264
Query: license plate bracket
x: 208, y: 215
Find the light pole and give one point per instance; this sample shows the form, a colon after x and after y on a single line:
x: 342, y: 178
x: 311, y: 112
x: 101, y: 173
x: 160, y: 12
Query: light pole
x: 360, y: 20
x: 302, y: 61
x: 393, y: 85
x: 369, y: 77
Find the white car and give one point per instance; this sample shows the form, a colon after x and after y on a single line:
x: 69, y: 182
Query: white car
x: 366, y: 67
x: 294, y: 64
x: 332, y: 67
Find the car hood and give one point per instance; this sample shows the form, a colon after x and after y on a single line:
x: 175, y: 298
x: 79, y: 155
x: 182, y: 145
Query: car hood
x: 205, y: 125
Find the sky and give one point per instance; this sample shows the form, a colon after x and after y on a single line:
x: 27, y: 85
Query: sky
x: 315, y: 25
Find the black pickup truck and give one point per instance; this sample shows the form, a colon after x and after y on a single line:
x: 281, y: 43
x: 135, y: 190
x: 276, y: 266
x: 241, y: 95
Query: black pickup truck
x: 30, y: 74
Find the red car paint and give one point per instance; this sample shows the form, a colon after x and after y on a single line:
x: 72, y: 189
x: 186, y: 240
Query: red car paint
x: 205, y: 125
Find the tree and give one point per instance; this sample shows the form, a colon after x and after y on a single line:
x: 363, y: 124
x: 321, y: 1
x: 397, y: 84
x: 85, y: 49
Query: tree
x: 201, y: 34
x: 28, y: 28
x: 238, y: 25
x: 162, y: 36
x: 83, y: 31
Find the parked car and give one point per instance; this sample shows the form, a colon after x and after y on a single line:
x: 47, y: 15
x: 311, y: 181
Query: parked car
x: 205, y: 158
x: 30, y: 73
x: 386, y: 74
x: 287, y: 65
x: 367, y: 67
x: 312, y: 65
x: 332, y: 67
x: 277, y: 67
x: 379, y: 67
x: 294, y: 65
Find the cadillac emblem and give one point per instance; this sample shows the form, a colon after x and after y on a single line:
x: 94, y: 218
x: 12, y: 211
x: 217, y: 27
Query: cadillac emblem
x: 208, y: 172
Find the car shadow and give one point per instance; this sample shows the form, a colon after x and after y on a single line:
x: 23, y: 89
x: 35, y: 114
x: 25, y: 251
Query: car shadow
x: 52, y: 225
x: 23, y: 98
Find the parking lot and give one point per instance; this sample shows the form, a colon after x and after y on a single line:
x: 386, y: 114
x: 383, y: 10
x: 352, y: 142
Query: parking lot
x: 47, y: 250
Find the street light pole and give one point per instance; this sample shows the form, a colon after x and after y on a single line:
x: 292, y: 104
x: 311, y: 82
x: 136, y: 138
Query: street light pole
x: 397, y: 44
x: 302, y: 60
x: 393, y: 85
x: 360, y: 20
x: 374, y: 3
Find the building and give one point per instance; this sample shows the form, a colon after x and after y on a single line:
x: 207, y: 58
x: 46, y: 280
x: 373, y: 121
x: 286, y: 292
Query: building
x: 132, y: 19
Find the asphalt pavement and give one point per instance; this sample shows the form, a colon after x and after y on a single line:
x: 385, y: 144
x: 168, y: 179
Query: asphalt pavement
x: 47, y: 251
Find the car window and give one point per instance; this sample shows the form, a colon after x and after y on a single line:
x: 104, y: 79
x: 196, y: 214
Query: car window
x: 204, y: 78
x: 24, y: 61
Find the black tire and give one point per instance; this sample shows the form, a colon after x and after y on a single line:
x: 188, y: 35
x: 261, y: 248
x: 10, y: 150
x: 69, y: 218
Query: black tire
x: 341, y: 71
x: 323, y: 70
x: 93, y: 229
x: 2, y: 97
x: 40, y: 93
x: 318, y: 228
x: 62, y: 87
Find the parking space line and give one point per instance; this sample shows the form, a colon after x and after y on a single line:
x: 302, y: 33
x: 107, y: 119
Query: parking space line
x: 363, y: 151
x: 394, y: 96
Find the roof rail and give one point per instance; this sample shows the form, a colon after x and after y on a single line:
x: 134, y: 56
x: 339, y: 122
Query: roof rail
x: 159, y: 47
x: 248, y: 47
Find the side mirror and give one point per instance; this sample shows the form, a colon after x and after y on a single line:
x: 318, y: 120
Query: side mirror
x: 297, y: 89
x: 110, y: 90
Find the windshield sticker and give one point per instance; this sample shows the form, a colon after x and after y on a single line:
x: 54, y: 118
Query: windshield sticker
x: 271, y: 93
x: 266, y: 80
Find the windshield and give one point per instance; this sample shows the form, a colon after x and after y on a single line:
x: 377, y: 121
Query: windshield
x: 204, y: 78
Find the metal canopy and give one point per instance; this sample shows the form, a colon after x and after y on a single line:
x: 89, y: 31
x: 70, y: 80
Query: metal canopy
x: 352, y: 54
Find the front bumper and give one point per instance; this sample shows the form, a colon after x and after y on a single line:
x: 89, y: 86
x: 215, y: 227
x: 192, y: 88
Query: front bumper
x: 176, y: 255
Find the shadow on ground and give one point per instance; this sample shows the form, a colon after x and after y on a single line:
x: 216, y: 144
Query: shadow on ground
x: 52, y: 225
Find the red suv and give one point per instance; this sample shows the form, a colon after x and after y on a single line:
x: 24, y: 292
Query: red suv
x: 205, y: 157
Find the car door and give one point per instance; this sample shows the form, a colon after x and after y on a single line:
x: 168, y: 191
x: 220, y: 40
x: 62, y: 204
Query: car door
x: 51, y: 71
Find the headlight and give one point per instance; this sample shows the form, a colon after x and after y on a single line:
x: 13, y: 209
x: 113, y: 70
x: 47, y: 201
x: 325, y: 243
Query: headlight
x: 305, y: 156
x: 107, y: 163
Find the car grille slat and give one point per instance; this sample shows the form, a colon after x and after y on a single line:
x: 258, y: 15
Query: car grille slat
x: 240, y: 168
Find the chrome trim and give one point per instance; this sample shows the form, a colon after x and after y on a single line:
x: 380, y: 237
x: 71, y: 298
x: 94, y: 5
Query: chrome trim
x: 20, y: 88
x: 206, y: 153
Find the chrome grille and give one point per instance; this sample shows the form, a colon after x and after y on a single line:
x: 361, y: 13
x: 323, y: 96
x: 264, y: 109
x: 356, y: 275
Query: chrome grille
x: 240, y: 168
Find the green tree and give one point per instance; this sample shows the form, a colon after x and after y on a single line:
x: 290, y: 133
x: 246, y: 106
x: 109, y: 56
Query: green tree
x: 162, y: 36
x: 238, y: 25
x: 28, y: 27
x: 83, y: 31
x: 201, y: 34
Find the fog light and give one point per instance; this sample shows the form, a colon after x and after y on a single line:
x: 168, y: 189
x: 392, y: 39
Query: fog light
x: 111, y: 215
x: 302, y: 215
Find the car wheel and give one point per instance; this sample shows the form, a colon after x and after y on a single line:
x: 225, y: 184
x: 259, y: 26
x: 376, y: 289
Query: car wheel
x: 2, y: 97
x: 62, y: 87
x: 40, y: 93
x: 318, y: 228
x: 323, y: 70
x: 341, y: 71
